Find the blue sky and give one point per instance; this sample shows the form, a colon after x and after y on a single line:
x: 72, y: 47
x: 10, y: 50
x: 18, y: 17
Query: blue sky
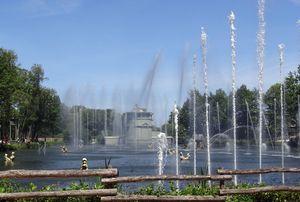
x: 101, y: 50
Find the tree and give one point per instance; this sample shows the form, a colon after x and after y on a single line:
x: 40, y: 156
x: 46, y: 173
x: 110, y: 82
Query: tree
x: 36, y: 78
x: 272, y: 100
x: 218, y: 99
x: 244, y: 97
x: 8, y: 85
x: 291, y: 92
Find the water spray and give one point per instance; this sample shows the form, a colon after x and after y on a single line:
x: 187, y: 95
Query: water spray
x: 281, y: 48
x: 233, y: 64
x: 260, y: 61
x: 162, y: 152
x: 176, y: 140
x: 204, y: 50
x: 194, y: 114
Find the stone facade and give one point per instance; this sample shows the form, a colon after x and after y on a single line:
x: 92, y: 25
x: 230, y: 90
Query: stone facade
x: 138, y: 125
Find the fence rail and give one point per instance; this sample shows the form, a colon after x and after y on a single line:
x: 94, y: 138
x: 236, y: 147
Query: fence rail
x: 164, y: 177
x: 259, y: 190
x: 125, y: 198
x: 48, y: 194
x: 258, y: 171
x: 58, y: 173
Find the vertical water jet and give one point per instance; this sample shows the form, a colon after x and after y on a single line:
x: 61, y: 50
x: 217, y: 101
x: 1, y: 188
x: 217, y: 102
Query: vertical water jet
x: 175, y: 111
x: 233, y: 64
x: 204, y: 50
x: 298, y: 120
x: 260, y: 61
x: 281, y: 48
x: 218, y: 117
x: 275, y: 120
x: 162, y: 152
x: 194, y: 114
x: 248, y: 139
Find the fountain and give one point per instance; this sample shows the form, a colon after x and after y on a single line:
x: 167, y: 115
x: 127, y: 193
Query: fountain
x: 298, y: 116
x: 248, y: 139
x: 281, y: 47
x: 203, y: 46
x: 250, y: 119
x: 218, y: 117
x: 264, y: 147
x: 260, y: 61
x: 275, y: 120
x: 227, y: 147
x: 176, y: 141
x: 194, y: 114
x: 162, y: 147
x: 233, y: 60
x: 76, y: 126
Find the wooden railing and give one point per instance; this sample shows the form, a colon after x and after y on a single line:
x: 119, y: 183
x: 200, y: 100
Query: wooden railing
x: 258, y: 171
x: 112, y: 182
x: 59, y: 173
x: 110, y: 179
x: 23, y: 174
x: 259, y: 189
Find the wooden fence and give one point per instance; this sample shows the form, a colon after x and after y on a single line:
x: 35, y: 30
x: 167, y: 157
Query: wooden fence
x: 23, y: 174
x: 109, y: 177
x: 259, y: 189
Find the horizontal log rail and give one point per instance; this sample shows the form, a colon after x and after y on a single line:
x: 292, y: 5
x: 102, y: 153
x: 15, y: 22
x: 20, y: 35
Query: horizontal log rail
x: 259, y: 190
x: 130, y: 179
x: 258, y: 171
x: 48, y: 194
x: 124, y: 198
x: 58, y: 173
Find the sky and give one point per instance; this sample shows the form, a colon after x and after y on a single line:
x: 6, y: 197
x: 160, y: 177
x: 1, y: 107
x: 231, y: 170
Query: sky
x: 98, y: 52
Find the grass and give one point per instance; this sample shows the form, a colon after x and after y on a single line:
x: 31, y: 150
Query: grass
x: 22, y: 146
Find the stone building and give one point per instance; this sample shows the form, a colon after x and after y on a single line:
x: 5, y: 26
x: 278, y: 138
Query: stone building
x: 138, y: 127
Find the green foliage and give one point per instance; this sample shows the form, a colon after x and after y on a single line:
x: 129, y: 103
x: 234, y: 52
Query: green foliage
x: 25, y: 104
x: 203, y: 190
x: 152, y: 190
x: 8, y: 186
x: 199, y: 189
x: 269, y: 196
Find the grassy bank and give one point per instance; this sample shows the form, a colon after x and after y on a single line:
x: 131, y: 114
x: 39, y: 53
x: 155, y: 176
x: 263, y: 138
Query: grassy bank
x: 22, y: 146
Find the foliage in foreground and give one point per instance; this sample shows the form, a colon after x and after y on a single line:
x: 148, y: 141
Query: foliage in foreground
x: 204, y: 190
x: 8, y: 186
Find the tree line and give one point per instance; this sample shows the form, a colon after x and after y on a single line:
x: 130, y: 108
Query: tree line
x: 220, y: 112
x: 34, y: 110
x: 29, y: 110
